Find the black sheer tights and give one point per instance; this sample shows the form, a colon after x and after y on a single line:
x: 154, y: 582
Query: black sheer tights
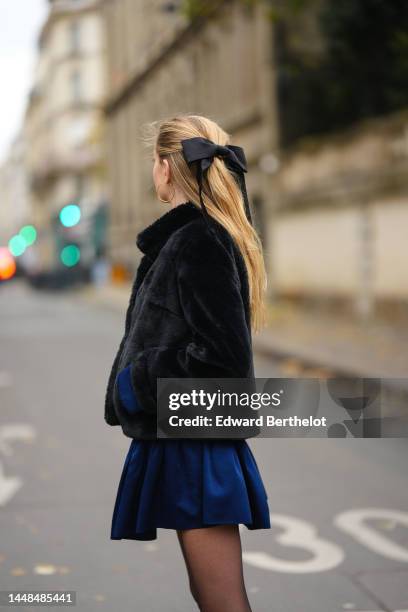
x: 213, y: 557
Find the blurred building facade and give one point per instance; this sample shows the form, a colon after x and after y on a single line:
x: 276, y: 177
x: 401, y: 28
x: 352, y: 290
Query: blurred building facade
x: 326, y: 147
x: 64, y: 121
x: 160, y: 62
x: 15, y: 202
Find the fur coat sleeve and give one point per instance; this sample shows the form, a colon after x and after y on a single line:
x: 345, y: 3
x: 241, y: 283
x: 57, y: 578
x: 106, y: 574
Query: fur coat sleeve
x: 210, y: 297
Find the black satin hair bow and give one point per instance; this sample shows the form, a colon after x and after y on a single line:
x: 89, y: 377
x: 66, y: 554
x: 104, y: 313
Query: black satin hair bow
x: 203, y: 151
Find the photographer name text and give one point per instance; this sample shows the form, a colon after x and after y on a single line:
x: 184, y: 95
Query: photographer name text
x: 259, y: 421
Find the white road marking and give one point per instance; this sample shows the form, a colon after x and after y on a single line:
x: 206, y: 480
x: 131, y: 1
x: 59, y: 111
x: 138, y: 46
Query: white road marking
x: 21, y: 432
x: 9, y: 485
x: 326, y: 555
x: 353, y: 522
x: 297, y: 533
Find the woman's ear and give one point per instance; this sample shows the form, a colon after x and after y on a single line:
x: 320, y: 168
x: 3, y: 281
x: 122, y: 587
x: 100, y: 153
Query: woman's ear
x: 166, y: 170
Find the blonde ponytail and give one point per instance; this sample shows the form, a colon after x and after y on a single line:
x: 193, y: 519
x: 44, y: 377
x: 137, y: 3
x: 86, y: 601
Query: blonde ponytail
x: 221, y: 194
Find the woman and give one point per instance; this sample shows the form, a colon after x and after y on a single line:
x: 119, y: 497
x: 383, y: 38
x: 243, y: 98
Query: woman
x: 198, y: 292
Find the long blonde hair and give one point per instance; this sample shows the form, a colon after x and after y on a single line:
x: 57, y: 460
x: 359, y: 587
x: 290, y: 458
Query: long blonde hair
x: 221, y: 194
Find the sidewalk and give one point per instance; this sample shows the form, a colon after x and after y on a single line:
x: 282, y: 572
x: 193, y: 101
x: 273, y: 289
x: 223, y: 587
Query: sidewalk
x: 110, y: 295
x: 344, y: 346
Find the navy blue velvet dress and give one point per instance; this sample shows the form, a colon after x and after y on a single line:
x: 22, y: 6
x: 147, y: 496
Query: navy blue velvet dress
x: 185, y: 484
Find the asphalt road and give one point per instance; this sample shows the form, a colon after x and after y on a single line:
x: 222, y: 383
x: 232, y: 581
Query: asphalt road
x: 339, y: 507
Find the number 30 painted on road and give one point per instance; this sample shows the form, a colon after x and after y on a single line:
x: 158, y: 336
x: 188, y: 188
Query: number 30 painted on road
x: 326, y: 555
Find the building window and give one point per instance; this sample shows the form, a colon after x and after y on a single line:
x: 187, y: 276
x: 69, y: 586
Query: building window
x: 76, y: 86
x: 74, y: 36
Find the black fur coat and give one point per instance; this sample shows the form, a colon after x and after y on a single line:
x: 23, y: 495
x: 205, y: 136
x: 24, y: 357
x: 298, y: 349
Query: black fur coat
x: 188, y: 315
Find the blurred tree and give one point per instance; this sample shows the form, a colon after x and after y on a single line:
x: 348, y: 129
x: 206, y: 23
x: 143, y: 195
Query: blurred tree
x: 276, y: 9
x: 362, y: 73
x: 193, y: 9
x: 367, y: 46
x: 359, y: 71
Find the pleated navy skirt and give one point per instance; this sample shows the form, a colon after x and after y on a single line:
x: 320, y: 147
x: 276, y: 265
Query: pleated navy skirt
x: 187, y: 484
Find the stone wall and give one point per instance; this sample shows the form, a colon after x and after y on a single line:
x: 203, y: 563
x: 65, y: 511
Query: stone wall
x: 340, y: 215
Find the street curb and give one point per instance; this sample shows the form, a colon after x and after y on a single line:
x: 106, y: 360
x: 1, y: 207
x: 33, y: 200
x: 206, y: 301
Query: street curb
x: 277, y: 351
x: 118, y: 303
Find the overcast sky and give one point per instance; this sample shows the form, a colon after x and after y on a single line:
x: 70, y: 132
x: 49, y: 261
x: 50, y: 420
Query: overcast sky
x: 20, y: 21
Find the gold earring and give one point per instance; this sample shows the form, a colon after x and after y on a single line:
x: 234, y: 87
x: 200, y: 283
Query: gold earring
x: 167, y: 201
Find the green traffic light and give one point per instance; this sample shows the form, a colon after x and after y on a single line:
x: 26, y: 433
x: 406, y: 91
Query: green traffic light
x: 17, y: 245
x: 70, y: 215
x: 70, y: 255
x: 29, y: 234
